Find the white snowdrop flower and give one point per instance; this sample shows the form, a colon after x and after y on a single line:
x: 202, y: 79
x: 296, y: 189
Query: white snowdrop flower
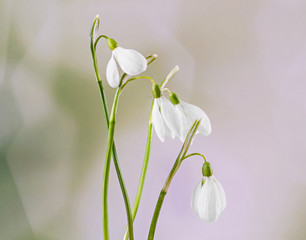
x: 188, y: 113
x: 208, y: 200
x: 161, y: 128
x: 130, y: 61
x: 162, y: 110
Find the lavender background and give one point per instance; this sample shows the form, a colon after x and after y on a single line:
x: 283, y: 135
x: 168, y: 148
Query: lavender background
x: 243, y: 62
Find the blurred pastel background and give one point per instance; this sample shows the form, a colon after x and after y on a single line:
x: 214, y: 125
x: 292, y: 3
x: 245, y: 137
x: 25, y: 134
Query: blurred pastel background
x: 242, y: 61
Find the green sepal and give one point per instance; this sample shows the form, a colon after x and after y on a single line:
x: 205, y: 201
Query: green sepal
x: 206, y: 170
x: 112, y: 44
x: 174, y: 98
x: 156, y: 91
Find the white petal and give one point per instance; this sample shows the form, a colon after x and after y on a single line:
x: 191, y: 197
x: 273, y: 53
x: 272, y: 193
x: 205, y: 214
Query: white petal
x: 186, y: 122
x: 195, y: 198
x: 222, y: 196
x: 130, y: 61
x: 170, y: 116
x: 193, y: 112
x: 112, y: 74
x: 208, y: 201
x: 157, y: 121
x: 168, y: 131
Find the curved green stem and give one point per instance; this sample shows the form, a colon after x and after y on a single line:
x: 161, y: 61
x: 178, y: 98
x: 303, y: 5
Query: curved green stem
x: 114, y: 152
x: 143, y: 173
x: 110, y: 142
x: 169, y: 179
x: 118, y: 171
x: 97, y: 40
x: 150, y: 59
x: 194, y: 154
x: 135, y: 78
x: 166, y: 89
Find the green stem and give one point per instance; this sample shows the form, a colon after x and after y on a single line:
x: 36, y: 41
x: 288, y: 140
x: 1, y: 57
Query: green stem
x: 169, y: 179
x: 135, y: 78
x: 161, y: 197
x: 143, y: 173
x: 195, y: 154
x: 114, y: 152
x: 98, y: 38
x: 109, y: 148
x: 119, y: 175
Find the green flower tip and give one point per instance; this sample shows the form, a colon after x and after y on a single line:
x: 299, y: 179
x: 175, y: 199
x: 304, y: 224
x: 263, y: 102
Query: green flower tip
x: 156, y: 91
x: 174, y: 98
x: 206, y: 170
x: 112, y: 44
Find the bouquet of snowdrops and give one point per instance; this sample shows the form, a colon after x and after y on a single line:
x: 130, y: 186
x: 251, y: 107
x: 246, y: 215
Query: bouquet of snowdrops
x: 170, y: 116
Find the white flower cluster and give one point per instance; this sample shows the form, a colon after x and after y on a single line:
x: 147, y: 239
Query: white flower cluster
x: 175, y: 119
x: 172, y: 118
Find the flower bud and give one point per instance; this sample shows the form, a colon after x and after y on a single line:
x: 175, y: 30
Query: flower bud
x: 94, y: 30
x: 156, y: 91
x: 112, y: 44
x: 206, y: 170
x: 174, y: 99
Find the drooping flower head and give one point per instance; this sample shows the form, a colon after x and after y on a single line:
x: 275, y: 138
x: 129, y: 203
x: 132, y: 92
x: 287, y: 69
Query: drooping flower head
x: 188, y: 113
x: 208, y: 200
x: 161, y: 105
x: 164, y: 116
x: 175, y: 117
x: 130, y: 61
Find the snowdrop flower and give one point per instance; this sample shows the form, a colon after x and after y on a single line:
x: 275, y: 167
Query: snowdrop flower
x: 165, y: 118
x: 188, y: 113
x: 175, y: 118
x: 208, y: 200
x: 130, y: 61
x: 162, y: 110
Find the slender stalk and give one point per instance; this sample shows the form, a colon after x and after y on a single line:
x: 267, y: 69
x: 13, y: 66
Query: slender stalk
x: 150, y: 59
x: 114, y: 152
x: 195, y: 154
x: 169, y: 179
x: 120, y: 178
x: 161, y: 197
x: 136, y: 78
x: 110, y: 141
x: 142, y: 174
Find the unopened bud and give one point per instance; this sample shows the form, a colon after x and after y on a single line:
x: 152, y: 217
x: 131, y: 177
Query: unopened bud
x: 156, y: 91
x: 112, y: 44
x: 174, y: 98
x: 206, y: 170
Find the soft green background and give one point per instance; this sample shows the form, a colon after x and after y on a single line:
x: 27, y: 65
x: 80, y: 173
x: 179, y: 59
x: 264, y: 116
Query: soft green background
x: 241, y: 61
